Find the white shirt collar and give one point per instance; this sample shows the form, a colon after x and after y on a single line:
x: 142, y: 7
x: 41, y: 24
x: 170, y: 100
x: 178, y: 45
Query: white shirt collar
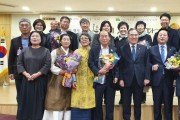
x: 132, y: 45
x: 165, y: 46
x: 66, y: 51
x: 104, y: 48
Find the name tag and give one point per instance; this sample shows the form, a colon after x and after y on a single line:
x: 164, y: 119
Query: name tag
x: 18, y: 51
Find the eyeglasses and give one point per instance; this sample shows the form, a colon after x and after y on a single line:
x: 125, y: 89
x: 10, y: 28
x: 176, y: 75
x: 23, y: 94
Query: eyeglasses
x: 39, y: 25
x: 84, y: 38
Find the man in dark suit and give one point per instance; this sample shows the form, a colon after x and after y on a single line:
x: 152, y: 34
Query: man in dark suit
x: 161, y: 78
x: 64, y: 26
x: 111, y: 77
x: 134, y: 74
x: 17, y: 44
x: 174, y: 39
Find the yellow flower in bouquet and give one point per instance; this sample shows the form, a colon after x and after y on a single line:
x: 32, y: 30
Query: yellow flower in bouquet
x: 106, y: 62
x: 57, y: 37
x: 107, y: 58
x: 172, y: 62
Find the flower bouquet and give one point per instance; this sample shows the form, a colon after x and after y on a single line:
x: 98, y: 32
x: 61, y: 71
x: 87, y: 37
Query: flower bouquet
x: 54, y: 39
x: 106, y: 62
x: 173, y: 62
x: 68, y: 63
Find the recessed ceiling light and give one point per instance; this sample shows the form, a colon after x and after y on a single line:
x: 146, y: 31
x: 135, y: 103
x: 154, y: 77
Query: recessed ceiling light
x: 25, y: 8
x: 153, y: 9
x: 68, y: 8
x: 110, y: 9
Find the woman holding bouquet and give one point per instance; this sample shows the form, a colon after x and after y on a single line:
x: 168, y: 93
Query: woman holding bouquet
x: 58, y: 98
x: 83, y: 96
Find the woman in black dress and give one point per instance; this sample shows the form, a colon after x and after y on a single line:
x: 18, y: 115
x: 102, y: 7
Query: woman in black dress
x: 33, y: 63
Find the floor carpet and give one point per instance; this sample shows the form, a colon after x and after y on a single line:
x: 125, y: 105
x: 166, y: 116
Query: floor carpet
x: 7, y: 117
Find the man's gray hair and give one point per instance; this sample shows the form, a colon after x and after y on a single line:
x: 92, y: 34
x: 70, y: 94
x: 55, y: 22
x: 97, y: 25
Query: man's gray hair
x: 25, y: 20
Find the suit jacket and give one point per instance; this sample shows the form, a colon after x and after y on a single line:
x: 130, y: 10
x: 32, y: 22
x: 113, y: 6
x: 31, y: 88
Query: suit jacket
x: 93, y: 63
x: 12, y: 60
x: 173, y: 38
x: 120, y: 43
x: 155, y: 58
x: 139, y: 68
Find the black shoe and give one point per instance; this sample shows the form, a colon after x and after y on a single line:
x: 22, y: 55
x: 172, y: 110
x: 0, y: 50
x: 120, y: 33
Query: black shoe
x: 143, y: 102
x: 120, y: 102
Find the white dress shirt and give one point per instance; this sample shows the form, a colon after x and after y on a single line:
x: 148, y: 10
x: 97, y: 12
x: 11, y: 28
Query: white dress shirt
x: 135, y: 46
x: 104, y: 51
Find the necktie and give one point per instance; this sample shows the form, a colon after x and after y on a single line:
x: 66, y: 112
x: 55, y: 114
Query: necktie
x: 133, y: 53
x: 162, y: 53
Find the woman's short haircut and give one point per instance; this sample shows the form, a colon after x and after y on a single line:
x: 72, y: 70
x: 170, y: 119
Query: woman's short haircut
x: 85, y: 34
x: 39, y: 21
x: 123, y: 23
x: 103, y: 23
x: 30, y: 44
x: 140, y: 22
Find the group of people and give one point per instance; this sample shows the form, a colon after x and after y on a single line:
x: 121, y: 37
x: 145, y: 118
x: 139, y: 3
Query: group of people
x: 41, y: 96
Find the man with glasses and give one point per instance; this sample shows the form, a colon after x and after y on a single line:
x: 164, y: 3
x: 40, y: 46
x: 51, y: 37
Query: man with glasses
x: 17, y: 44
x: 85, y: 24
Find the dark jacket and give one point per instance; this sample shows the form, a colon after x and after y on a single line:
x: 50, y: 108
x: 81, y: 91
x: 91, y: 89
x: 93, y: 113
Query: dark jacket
x: 120, y: 42
x: 155, y: 58
x: 138, y: 68
x: 12, y: 60
x: 45, y: 41
x: 93, y: 64
x: 147, y: 38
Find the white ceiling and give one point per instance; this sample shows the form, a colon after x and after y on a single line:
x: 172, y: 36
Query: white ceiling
x: 90, y: 6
